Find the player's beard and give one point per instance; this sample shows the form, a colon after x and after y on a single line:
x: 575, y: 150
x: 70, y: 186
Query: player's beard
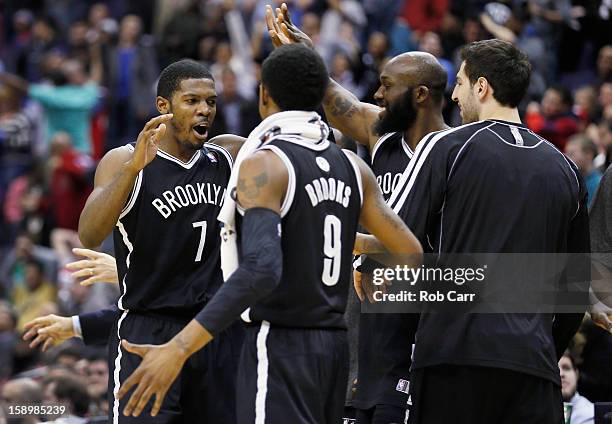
x: 399, y: 115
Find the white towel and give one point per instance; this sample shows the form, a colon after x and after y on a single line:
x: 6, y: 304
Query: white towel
x: 308, y: 125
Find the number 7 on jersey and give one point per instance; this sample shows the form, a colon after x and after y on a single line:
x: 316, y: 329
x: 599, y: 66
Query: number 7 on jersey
x: 202, y: 225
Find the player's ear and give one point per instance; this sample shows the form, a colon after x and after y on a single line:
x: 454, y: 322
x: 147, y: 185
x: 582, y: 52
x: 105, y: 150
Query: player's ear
x: 162, y: 104
x: 482, y: 87
x: 263, y: 95
x: 420, y: 94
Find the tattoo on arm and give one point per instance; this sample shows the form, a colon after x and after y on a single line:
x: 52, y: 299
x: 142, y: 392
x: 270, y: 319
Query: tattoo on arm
x: 251, y: 188
x: 341, y: 106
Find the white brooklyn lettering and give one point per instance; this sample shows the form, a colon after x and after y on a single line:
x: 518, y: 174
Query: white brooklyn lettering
x: 217, y: 190
x: 181, y: 195
x: 161, y: 208
x: 191, y: 193
x: 188, y: 195
x: 201, y: 195
x: 169, y: 196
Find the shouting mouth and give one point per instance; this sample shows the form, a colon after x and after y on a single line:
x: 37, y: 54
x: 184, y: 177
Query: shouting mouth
x: 201, y: 131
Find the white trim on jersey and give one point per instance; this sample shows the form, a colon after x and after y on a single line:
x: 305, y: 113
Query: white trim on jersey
x: 409, y: 175
x: 133, y: 195
x: 522, y: 146
x: 223, y: 150
x: 357, y: 174
x: 450, y: 173
x: 379, y: 143
x: 409, y: 152
x: 262, y: 373
x: 186, y: 165
x: 130, y: 247
x: 291, y: 184
x: 116, y: 381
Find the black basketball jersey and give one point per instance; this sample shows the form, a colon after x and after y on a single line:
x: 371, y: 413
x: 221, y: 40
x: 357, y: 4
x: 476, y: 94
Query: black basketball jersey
x: 167, y: 236
x: 385, y: 340
x: 319, y: 214
x: 390, y: 156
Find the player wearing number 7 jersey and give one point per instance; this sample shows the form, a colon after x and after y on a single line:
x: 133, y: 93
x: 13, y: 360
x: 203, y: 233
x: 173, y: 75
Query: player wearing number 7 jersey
x: 161, y: 197
x: 300, y: 199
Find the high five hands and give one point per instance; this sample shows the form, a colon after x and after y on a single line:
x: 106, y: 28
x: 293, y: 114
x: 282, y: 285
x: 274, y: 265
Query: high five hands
x: 281, y: 29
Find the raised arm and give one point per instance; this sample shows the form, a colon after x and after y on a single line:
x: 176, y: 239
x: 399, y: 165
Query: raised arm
x: 115, y: 177
x: 345, y: 112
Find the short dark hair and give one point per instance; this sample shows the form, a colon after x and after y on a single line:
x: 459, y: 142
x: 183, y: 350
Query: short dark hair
x: 296, y: 77
x: 171, y: 77
x: 506, y: 68
x: 565, y: 94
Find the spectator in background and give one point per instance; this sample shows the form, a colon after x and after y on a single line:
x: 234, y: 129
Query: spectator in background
x: 548, y: 18
x: 582, y: 151
x: 16, y: 137
x: 22, y: 33
x: 179, y: 38
x: 44, y: 38
x: 133, y: 71
x: 424, y: 16
x: 373, y: 60
x: 553, y: 120
x: 69, y: 101
x: 430, y: 43
x: 78, y: 46
x: 26, y: 206
x: 239, y: 114
x: 12, y: 267
x: 71, y: 392
x: 512, y: 26
x: 585, y: 105
x: 97, y: 383
x: 583, y: 411
x: 70, y: 184
x: 341, y: 71
x: 605, y: 99
x: 23, y: 391
x: 32, y: 297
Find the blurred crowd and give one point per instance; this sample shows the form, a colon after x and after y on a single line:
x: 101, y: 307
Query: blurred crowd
x: 78, y: 78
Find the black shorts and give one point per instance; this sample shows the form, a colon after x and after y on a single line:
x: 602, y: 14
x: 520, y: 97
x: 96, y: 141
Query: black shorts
x: 204, y: 390
x: 482, y: 395
x: 292, y: 375
x: 385, y: 351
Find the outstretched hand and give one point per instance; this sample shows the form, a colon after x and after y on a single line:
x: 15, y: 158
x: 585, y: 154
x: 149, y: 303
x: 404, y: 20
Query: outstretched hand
x: 98, y: 267
x: 48, y: 330
x: 159, y: 368
x: 148, y: 141
x: 281, y: 29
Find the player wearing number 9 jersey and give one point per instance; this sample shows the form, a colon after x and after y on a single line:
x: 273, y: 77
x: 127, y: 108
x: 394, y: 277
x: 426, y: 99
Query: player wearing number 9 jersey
x: 161, y: 196
x: 300, y: 199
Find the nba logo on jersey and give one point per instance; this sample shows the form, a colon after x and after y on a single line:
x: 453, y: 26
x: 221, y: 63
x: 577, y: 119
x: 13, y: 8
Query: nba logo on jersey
x: 212, y: 157
x: 323, y: 164
x: 402, y: 386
